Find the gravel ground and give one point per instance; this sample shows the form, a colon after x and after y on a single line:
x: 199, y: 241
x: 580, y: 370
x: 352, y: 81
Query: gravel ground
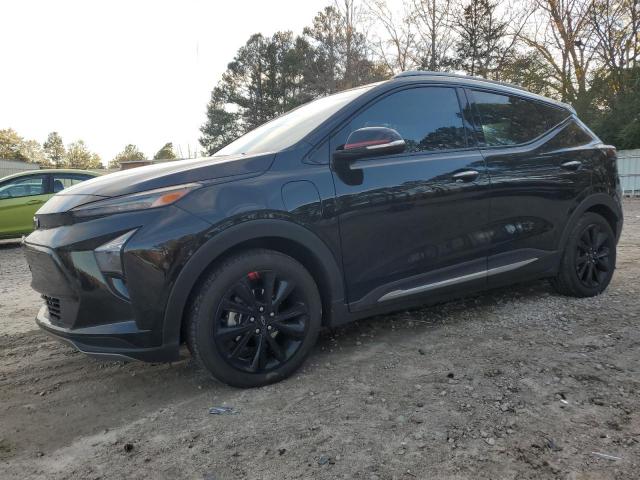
x: 517, y: 383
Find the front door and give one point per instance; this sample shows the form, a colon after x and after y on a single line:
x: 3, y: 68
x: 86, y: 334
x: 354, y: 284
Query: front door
x: 413, y: 223
x: 20, y: 198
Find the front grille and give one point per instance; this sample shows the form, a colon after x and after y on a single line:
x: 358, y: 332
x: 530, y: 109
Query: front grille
x: 53, y: 305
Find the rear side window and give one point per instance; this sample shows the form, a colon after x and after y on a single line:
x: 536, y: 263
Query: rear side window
x: 427, y: 118
x: 511, y: 120
x: 62, y: 180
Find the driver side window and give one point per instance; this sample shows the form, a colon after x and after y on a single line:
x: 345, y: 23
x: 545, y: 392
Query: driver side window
x: 427, y: 118
x: 23, y: 187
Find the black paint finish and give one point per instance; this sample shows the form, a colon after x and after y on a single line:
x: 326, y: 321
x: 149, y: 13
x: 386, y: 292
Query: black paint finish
x: 377, y: 234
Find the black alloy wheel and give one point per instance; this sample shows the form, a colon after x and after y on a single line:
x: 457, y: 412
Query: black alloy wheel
x: 589, y: 258
x: 254, y: 318
x: 261, y: 321
x: 593, y: 252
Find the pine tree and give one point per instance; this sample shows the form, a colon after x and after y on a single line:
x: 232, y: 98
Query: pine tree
x: 222, y: 127
x: 481, y: 36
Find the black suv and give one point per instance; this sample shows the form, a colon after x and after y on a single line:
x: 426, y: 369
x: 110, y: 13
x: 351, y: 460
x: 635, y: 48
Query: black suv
x: 397, y: 194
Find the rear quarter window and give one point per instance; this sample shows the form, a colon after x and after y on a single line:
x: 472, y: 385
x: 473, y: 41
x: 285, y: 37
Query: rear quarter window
x: 571, y: 136
x: 512, y: 120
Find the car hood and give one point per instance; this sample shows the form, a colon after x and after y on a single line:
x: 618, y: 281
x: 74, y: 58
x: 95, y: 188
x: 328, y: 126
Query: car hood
x: 160, y: 175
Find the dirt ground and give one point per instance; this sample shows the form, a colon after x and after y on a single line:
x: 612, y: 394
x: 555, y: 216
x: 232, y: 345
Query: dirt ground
x: 517, y: 383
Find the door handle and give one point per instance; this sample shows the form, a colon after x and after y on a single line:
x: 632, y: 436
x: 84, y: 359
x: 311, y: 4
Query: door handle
x: 572, y: 165
x: 34, y: 202
x: 466, y: 176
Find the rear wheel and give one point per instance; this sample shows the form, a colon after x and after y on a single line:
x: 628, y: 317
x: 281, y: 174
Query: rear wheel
x: 589, y: 258
x: 255, y: 318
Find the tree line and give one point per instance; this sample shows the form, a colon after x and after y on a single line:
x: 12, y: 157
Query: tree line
x: 582, y: 52
x: 53, y: 153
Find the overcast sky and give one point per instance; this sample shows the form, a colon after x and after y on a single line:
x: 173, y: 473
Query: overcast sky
x: 117, y: 72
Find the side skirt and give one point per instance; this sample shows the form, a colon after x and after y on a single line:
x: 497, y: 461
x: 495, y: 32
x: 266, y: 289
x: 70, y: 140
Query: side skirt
x: 455, y: 280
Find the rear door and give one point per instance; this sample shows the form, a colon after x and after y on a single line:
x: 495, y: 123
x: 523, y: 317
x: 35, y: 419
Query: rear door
x: 20, y: 198
x: 413, y: 222
x: 535, y: 180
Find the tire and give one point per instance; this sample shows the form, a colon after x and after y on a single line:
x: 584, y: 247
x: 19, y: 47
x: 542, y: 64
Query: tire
x: 238, y: 343
x: 589, y: 258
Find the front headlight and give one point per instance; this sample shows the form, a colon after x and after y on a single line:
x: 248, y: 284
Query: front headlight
x: 136, y: 201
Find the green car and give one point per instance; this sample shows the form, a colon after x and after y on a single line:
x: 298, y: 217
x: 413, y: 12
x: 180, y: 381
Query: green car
x: 23, y: 193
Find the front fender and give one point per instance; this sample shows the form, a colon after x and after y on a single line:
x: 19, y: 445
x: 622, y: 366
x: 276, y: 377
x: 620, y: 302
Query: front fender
x: 222, y: 242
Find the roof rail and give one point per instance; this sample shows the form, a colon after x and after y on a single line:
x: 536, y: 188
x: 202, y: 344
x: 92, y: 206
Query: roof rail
x: 427, y: 73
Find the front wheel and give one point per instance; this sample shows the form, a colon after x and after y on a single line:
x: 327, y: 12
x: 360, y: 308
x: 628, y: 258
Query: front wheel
x: 589, y: 258
x: 255, y: 318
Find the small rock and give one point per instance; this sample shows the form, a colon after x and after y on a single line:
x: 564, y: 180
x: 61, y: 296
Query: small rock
x: 421, y: 351
x: 553, y: 445
x: 281, y: 451
x: 490, y: 441
x: 323, y: 460
x: 128, y: 447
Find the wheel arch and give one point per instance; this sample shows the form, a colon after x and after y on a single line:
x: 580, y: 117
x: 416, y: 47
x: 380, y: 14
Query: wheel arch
x: 280, y: 235
x: 599, y: 203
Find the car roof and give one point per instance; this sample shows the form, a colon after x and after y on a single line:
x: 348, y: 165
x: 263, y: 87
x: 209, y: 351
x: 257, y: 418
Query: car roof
x: 466, y: 80
x: 48, y: 170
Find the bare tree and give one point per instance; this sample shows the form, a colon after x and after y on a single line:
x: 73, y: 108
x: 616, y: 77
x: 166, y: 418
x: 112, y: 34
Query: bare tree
x: 563, y: 35
x: 355, y: 42
x: 616, y: 24
x: 433, y: 20
x: 398, y: 48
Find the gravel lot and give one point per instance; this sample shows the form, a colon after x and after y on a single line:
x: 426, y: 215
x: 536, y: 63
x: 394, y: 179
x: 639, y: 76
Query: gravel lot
x: 517, y: 383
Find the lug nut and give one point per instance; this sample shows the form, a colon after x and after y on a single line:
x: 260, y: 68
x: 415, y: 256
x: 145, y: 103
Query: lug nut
x: 269, y: 327
x: 257, y: 330
x: 261, y: 309
x: 252, y: 319
x: 272, y: 314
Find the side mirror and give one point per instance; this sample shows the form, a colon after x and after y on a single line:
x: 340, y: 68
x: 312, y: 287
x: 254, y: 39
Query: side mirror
x: 371, y: 142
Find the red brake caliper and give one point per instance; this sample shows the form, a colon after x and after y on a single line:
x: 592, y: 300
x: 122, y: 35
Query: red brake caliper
x: 253, y: 275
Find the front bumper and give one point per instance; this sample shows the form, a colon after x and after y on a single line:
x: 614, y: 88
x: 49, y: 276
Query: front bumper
x: 82, y: 304
x: 111, y: 342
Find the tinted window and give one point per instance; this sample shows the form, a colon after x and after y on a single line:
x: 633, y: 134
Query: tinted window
x: 62, y: 180
x: 23, y: 187
x: 510, y: 120
x: 427, y: 118
x: 571, y: 136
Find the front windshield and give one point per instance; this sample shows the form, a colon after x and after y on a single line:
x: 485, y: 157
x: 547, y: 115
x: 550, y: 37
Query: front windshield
x: 287, y: 129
